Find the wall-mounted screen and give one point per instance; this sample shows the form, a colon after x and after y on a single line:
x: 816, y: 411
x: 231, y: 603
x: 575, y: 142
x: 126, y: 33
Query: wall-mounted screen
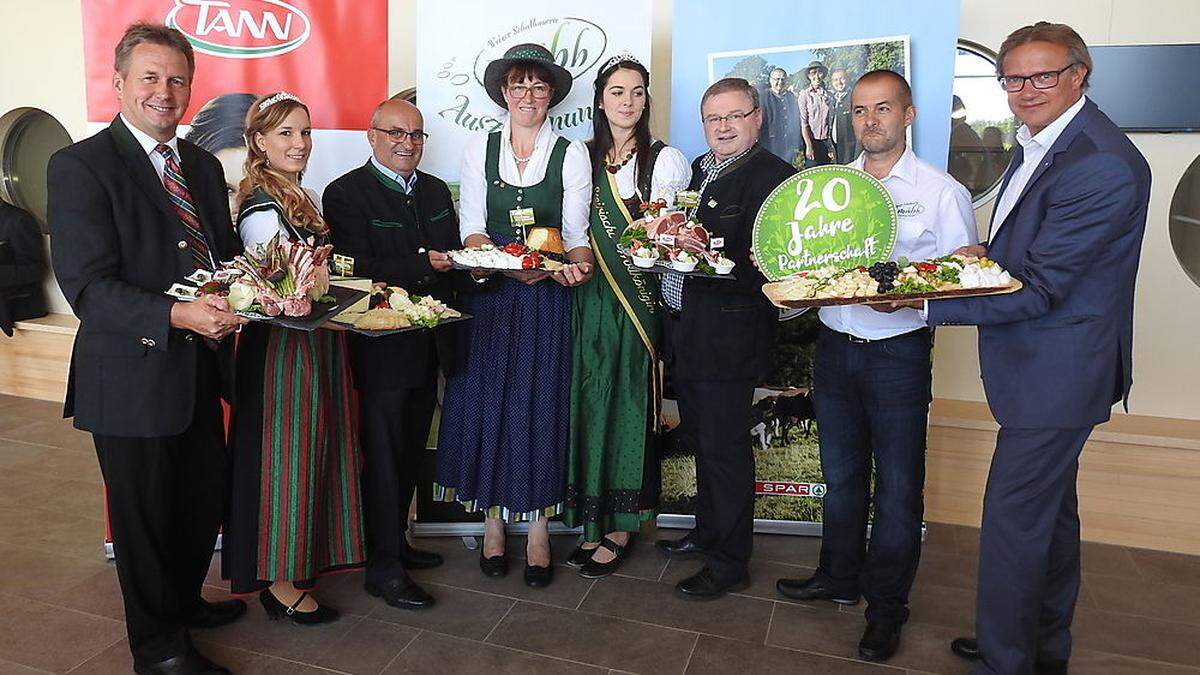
x: 1148, y: 87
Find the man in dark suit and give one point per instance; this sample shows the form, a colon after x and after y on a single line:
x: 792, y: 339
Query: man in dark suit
x: 718, y: 335
x: 132, y: 210
x: 396, y: 223
x: 1055, y: 356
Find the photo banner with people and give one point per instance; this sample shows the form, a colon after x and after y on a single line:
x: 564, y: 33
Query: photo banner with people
x: 332, y: 54
x: 450, y: 63
x: 804, y: 61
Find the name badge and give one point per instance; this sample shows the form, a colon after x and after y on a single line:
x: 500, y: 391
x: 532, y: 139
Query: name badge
x: 343, y: 265
x: 687, y: 199
x: 519, y: 218
x: 716, y: 243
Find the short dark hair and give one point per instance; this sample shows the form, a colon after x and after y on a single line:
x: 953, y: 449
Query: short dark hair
x: 894, y: 77
x: 1054, y: 33
x: 777, y: 69
x: 154, y: 33
x: 728, y: 84
x: 525, y: 70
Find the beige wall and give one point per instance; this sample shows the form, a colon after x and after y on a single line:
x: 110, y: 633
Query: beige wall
x: 42, y: 66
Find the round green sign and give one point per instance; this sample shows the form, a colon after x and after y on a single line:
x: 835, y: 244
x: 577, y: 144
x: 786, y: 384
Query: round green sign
x: 825, y: 216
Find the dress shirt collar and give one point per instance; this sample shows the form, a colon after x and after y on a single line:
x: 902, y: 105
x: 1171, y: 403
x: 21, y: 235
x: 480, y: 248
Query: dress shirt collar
x: 539, y: 141
x: 905, y: 168
x: 1045, y: 138
x: 406, y: 184
x: 149, y: 144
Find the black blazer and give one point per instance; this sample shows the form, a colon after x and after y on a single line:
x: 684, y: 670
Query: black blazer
x: 730, y: 322
x: 388, y: 234
x: 115, y: 246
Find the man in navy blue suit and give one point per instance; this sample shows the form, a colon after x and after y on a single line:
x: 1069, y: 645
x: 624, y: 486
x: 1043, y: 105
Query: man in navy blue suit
x: 1055, y: 355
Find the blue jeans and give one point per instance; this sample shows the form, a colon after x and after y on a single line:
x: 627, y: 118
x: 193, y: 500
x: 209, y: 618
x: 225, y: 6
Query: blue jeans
x: 871, y: 403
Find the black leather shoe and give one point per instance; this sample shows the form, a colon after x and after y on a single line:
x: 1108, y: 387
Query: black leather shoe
x: 417, y: 559
x: 812, y: 589
x: 680, y: 549
x: 537, y: 576
x: 879, y: 641
x: 213, y: 614
x: 704, y: 585
x: 966, y: 648
x: 580, y: 556
x: 598, y: 570
x: 277, y: 610
x: 1050, y: 667
x: 493, y: 567
x: 403, y: 593
x: 190, y: 663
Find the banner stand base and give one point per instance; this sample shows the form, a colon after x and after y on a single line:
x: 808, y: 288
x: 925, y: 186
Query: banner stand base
x: 761, y: 525
x: 108, y: 548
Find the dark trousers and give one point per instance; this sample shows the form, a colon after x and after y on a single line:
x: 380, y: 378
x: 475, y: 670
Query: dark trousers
x: 821, y: 150
x: 1029, y: 549
x: 871, y: 404
x: 718, y: 414
x: 395, y: 431
x: 164, y: 512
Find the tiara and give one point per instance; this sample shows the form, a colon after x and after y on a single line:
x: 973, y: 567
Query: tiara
x: 618, y: 58
x: 281, y: 96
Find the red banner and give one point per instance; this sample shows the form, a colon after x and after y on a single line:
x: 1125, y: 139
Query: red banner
x: 333, y: 53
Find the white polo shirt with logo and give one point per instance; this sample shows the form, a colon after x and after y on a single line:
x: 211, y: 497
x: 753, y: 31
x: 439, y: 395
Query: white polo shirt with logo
x: 935, y: 219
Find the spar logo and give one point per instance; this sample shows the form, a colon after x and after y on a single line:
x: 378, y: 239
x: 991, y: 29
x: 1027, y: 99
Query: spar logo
x: 788, y: 488
x: 240, y: 29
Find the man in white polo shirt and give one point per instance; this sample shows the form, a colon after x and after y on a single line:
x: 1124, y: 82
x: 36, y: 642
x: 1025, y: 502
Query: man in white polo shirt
x: 872, y: 386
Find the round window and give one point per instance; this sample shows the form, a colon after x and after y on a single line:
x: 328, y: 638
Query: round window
x: 982, y: 128
x: 1185, y: 221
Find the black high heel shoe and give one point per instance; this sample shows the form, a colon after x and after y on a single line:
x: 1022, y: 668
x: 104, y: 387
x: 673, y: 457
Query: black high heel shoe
x: 277, y: 610
x: 496, y: 566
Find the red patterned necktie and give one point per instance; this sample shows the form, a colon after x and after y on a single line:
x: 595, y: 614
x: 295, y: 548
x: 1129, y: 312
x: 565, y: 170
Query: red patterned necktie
x: 181, y: 199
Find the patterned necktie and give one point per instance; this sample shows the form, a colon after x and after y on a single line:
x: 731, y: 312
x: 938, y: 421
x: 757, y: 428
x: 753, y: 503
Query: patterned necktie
x: 181, y: 199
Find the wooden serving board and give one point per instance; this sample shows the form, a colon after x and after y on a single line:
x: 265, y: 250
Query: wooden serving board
x: 773, y: 292
x: 382, y: 332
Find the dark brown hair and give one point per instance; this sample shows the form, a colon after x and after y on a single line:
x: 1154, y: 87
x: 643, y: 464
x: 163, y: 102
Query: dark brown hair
x: 524, y: 70
x: 602, y: 138
x: 143, y: 32
x: 1054, y: 33
x: 727, y: 85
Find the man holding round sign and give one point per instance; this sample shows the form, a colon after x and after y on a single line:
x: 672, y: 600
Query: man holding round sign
x: 872, y: 377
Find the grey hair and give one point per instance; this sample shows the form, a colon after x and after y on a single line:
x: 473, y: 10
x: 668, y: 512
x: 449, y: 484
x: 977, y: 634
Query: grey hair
x: 728, y: 84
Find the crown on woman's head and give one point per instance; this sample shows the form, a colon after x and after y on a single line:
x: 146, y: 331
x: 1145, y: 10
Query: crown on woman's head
x: 620, y: 57
x: 281, y: 96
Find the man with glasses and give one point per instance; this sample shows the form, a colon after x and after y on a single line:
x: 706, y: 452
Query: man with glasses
x: 394, y: 223
x: 718, y: 335
x: 1055, y: 355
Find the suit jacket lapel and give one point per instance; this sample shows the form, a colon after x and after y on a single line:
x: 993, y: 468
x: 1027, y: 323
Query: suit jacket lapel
x: 140, y: 168
x: 1063, y: 142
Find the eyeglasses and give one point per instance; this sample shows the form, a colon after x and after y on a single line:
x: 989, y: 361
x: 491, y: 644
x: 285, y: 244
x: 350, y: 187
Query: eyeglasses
x: 398, y: 135
x: 732, y: 118
x: 1047, y: 80
x: 539, y: 91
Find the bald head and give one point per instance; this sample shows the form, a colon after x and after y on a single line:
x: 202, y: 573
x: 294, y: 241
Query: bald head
x: 391, y: 120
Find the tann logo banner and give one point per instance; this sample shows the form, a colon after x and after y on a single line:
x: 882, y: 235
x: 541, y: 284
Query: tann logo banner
x: 330, y: 53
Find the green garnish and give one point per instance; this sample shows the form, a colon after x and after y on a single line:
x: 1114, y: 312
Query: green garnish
x: 911, y: 286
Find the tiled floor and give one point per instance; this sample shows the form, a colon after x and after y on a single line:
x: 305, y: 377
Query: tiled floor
x: 1139, y: 611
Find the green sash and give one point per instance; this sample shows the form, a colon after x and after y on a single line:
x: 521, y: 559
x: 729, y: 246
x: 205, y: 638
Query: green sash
x: 636, y: 291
